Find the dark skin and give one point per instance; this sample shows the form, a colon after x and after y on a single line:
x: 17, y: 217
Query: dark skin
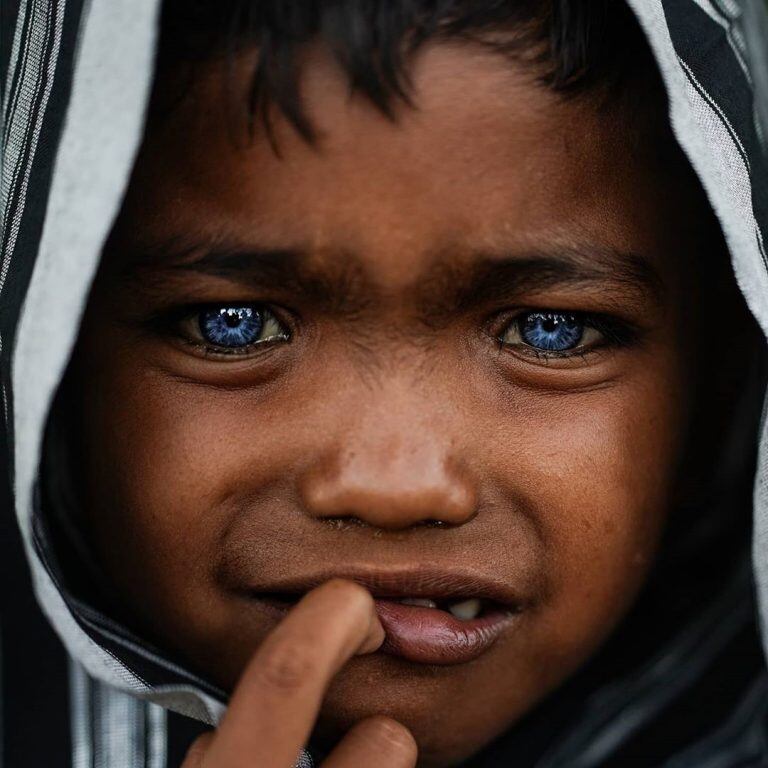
x: 395, y: 416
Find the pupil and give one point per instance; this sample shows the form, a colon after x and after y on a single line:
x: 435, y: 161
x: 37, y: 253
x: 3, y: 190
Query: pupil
x: 232, y: 318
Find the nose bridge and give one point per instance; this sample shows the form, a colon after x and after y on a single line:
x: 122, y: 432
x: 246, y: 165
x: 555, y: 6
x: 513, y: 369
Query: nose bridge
x: 395, y: 465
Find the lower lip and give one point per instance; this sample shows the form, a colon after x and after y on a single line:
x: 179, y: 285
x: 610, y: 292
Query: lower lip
x: 433, y: 636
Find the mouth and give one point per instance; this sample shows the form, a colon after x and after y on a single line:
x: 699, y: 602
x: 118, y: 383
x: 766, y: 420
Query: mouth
x: 435, y: 618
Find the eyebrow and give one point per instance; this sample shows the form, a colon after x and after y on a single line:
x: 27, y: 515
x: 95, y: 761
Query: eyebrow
x: 447, y: 287
x: 586, y: 266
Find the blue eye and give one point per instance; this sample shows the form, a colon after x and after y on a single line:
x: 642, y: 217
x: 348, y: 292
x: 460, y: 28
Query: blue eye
x: 557, y: 333
x: 551, y: 331
x: 235, y: 327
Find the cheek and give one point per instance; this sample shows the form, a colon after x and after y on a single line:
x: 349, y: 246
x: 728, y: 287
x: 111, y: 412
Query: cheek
x: 173, y: 468
x: 599, y: 470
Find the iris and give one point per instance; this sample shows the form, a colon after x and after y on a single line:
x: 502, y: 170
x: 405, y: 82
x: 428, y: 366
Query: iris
x: 551, y: 331
x: 231, y: 326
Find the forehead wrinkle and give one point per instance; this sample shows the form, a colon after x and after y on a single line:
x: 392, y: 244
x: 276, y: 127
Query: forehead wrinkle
x: 337, y: 282
x: 454, y: 286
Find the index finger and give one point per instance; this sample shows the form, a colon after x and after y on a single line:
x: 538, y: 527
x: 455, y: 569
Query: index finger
x: 275, y: 705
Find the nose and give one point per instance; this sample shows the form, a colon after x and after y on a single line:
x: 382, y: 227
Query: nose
x: 392, y: 474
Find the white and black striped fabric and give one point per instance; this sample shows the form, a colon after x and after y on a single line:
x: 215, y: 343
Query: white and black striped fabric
x: 682, y: 684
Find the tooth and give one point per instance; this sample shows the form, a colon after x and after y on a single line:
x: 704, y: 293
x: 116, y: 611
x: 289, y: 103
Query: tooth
x: 422, y: 602
x: 467, y: 609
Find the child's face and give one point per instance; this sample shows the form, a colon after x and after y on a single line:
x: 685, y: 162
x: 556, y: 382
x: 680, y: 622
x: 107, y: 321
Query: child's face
x: 405, y: 426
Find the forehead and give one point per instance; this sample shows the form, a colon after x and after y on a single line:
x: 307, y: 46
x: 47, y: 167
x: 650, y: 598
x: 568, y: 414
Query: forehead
x: 485, y: 159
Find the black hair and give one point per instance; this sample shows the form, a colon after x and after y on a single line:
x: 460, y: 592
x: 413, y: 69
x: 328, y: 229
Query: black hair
x: 572, y: 45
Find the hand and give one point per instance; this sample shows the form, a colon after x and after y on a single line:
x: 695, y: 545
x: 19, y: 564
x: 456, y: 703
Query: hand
x: 276, y: 702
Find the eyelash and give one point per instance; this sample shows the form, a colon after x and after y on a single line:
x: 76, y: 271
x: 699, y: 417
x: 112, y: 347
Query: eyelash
x: 615, y: 333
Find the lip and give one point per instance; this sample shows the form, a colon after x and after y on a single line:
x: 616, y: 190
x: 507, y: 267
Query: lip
x: 430, y: 636
x: 419, y: 634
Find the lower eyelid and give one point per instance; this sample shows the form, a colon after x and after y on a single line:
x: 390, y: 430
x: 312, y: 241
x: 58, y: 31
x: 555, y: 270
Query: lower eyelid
x: 222, y: 354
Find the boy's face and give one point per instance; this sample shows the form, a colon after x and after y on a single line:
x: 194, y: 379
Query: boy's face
x: 392, y: 419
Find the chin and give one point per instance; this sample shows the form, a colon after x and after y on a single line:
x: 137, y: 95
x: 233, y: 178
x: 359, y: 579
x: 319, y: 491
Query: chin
x: 430, y: 701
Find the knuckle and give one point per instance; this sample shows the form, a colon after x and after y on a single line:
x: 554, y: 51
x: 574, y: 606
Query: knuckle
x: 286, y: 667
x: 392, y: 737
x: 197, y: 750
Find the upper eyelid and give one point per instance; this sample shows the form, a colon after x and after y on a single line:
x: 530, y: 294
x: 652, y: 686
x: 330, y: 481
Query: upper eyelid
x: 193, y: 312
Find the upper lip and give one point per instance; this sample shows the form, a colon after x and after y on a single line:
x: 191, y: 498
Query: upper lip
x: 427, y: 583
